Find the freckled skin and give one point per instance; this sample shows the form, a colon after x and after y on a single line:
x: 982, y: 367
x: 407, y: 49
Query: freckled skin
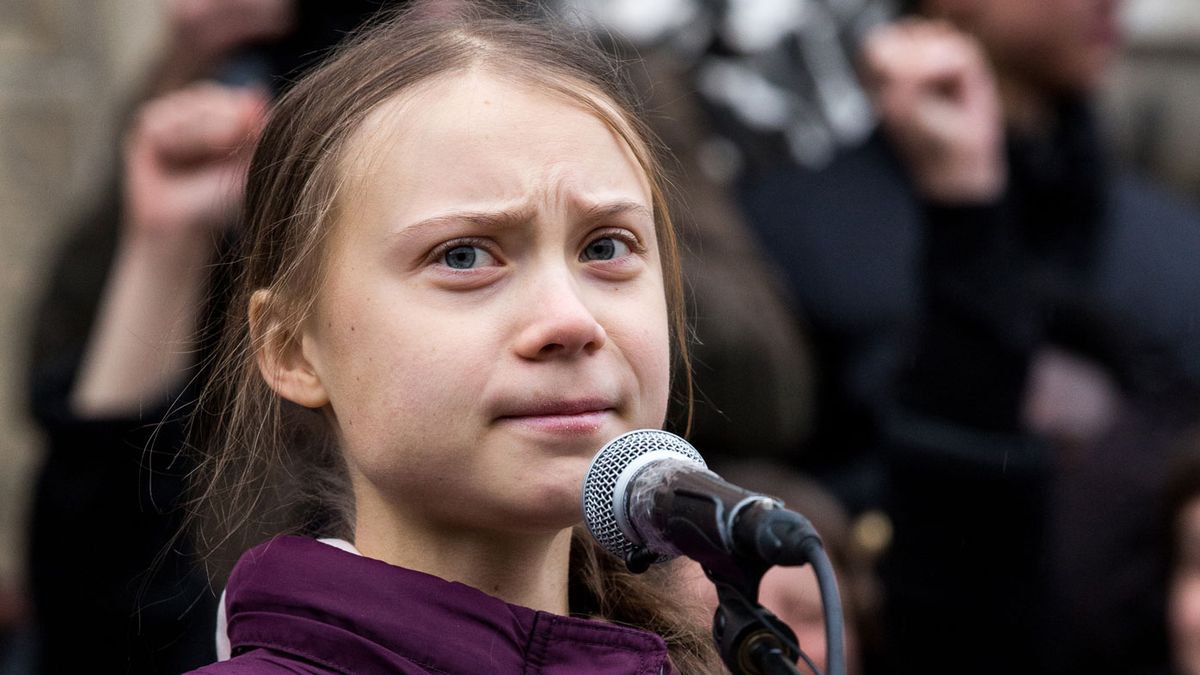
x: 421, y: 367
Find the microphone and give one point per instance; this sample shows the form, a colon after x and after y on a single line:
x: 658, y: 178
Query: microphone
x: 648, y: 496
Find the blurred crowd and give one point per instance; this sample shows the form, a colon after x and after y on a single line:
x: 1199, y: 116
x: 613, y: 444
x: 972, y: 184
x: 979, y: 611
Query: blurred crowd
x: 930, y: 309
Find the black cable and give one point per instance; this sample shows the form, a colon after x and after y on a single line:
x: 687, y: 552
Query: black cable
x: 778, y: 664
x: 831, y: 604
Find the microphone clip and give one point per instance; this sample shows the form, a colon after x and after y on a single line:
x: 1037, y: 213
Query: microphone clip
x: 751, y: 640
x: 639, y: 559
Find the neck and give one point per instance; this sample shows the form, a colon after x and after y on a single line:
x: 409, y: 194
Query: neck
x: 528, y: 569
x: 1027, y: 110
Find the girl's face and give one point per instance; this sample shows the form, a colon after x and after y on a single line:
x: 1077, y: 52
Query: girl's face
x: 494, y: 309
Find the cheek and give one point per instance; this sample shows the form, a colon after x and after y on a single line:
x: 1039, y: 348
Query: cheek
x: 390, y: 374
x: 1185, y: 607
x: 644, y: 335
x: 657, y: 380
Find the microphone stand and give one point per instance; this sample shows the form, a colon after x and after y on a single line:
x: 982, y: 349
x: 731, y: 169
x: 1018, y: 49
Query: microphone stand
x: 737, y: 536
x: 751, y: 640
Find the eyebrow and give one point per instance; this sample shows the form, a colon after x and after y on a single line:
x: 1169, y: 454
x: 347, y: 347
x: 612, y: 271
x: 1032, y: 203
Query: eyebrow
x: 508, y: 218
x: 602, y: 212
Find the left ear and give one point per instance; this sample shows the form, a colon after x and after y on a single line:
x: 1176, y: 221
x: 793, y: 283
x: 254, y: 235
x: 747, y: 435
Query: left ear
x: 282, y: 358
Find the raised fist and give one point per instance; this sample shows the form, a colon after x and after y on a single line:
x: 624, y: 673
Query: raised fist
x: 186, y: 159
x: 938, y: 102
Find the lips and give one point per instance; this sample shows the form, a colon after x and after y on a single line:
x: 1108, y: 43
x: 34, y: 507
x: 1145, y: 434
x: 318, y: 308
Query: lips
x: 570, y: 416
x: 560, y: 407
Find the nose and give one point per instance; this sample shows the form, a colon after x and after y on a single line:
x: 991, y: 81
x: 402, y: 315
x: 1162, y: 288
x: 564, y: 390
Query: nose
x: 559, y: 322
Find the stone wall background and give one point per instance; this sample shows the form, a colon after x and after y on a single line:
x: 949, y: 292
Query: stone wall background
x: 67, y: 68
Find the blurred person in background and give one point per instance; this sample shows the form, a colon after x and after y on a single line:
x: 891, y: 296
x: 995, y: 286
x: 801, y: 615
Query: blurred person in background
x: 1008, y: 323
x: 1182, y: 536
x: 118, y: 341
x: 1057, y: 352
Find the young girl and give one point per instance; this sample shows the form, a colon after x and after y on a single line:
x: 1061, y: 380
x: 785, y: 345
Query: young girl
x: 458, y: 279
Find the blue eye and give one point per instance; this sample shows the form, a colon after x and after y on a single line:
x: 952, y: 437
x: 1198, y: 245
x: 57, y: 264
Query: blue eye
x: 466, y: 257
x: 605, y: 248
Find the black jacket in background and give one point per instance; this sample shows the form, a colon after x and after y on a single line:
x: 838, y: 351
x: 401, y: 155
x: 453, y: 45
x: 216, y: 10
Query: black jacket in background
x: 924, y: 319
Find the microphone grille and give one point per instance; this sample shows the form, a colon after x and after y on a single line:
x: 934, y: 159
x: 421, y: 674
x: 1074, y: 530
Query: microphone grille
x: 600, y: 483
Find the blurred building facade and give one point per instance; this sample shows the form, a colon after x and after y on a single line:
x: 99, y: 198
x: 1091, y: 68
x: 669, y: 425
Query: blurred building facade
x: 66, y: 70
x: 1151, y: 102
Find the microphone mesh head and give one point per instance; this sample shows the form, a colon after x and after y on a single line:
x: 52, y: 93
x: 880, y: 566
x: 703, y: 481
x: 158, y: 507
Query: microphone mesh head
x: 599, y: 485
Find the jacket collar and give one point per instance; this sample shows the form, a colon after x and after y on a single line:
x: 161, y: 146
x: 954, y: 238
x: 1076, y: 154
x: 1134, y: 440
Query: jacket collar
x: 356, y: 614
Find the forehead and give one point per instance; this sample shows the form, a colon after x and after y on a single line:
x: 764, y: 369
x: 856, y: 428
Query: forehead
x: 478, y: 137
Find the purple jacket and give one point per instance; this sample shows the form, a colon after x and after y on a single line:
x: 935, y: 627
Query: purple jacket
x: 301, y: 606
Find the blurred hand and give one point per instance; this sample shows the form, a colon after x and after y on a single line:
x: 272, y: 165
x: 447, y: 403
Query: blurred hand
x: 1069, y: 399
x: 206, y: 32
x: 185, y: 165
x: 938, y: 102
x: 186, y: 159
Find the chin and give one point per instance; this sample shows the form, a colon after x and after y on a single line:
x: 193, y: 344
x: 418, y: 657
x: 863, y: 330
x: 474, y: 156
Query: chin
x: 555, y: 506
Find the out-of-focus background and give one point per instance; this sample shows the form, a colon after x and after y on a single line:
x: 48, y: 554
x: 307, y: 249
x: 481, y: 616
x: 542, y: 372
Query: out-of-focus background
x: 1152, y: 98
x: 66, y: 70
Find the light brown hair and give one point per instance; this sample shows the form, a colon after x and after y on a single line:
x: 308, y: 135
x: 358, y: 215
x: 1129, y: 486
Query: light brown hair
x: 270, y: 467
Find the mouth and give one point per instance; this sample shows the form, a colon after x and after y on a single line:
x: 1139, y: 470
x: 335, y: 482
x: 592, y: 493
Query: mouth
x: 570, y: 417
